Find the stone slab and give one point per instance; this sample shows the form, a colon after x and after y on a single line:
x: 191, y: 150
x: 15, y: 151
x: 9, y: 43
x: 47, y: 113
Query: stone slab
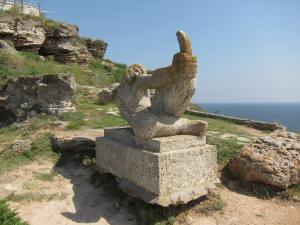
x: 165, y: 178
x: 126, y: 136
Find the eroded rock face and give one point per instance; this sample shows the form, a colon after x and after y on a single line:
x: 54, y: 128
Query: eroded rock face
x: 63, y: 45
x: 174, y: 87
x: 61, y: 41
x: 96, y: 47
x: 274, y: 160
x: 27, y: 96
x: 27, y: 34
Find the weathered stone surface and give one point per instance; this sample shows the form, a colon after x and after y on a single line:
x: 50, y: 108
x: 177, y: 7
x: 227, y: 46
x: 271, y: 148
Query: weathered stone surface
x: 161, y: 144
x: 159, y: 176
x: 107, y: 95
x: 96, y: 47
x: 174, y: 87
x: 29, y: 35
x: 274, y: 160
x: 62, y: 43
x: 7, y: 26
x: 28, y: 96
x: 76, y: 141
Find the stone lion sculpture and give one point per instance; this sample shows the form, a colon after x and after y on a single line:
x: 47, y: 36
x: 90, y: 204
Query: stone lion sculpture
x: 174, y: 87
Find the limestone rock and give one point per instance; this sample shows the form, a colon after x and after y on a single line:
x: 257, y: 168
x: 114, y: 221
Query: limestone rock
x: 62, y: 43
x: 274, y: 160
x: 29, y: 35
x: 28, y: 96
x: 107, y: 95
x: 96, y: 47
x: 7, y: 26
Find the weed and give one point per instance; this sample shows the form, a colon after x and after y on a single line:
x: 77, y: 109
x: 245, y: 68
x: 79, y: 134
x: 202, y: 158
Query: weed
x: 213, y: 203
x: 291, y: 193
x: 45, y: 176
x: 9, y: 217
x: 36, y: 197
x: 227, y: 149
x: 40, y: 148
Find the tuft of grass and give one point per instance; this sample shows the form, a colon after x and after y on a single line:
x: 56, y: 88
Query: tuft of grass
x: 36, y: 197
x: 291, y: 194
x: 40, y: 148
x: 213, y: 204
x: 75, y: 119
x: 9, y: 217
x: 227, y: 149
x: 220, y: 125
x: 46, y: 176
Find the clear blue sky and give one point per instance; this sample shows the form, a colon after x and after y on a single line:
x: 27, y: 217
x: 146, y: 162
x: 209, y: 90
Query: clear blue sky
x: 248, y: 50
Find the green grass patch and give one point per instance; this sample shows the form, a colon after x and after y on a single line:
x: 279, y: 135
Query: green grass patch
x: 45, y: 176
x: 220, y: 126
x: 9, y: 217
x: 291, y: 193
x: 212, y: 204
x: 36, y: 197
x: 227, y: 149
x: 31, y: 64
x: 39, y: 149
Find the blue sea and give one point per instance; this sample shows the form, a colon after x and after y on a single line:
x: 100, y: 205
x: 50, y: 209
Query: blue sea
x: 287, y: 114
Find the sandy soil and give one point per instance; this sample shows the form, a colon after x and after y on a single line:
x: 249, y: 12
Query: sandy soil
x: 77, y: 201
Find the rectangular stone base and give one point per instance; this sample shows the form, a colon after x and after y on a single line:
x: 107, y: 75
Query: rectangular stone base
x: 159, y: 175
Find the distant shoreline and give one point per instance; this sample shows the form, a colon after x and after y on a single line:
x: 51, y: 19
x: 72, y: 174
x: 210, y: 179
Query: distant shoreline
x: 287, y: 114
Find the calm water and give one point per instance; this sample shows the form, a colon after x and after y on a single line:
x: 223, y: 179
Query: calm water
x: 287, y: 114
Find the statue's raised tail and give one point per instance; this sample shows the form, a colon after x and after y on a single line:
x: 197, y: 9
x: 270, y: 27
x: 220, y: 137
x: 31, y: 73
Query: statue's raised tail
x: 184, y: 42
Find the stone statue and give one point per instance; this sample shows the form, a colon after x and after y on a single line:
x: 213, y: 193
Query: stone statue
x: 174, y: 86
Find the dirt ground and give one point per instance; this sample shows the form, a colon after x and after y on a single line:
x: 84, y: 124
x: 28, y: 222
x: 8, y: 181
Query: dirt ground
x: 68, y: 197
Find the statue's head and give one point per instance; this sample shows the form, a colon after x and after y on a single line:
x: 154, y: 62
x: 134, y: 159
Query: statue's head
x: 133, y: 71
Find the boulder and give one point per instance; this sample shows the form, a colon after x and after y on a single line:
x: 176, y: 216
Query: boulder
x: 107, y: 95
x: 274, y: 160
x: 27, y: 96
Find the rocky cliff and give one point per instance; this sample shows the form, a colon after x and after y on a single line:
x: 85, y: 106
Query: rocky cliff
x: 58, y: 40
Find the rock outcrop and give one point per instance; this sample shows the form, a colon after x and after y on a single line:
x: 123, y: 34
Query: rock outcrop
x: 274, y: 160
x: 27, y: 96
x: 59, y: 40
x: 96, y: 47
x: 62, y: 44
x: 27, y: 34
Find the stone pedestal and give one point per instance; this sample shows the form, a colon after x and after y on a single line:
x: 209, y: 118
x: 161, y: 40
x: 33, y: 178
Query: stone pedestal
x: 165, y: 170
